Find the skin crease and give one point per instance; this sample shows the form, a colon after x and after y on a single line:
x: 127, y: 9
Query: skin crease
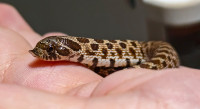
x: 27, y: 83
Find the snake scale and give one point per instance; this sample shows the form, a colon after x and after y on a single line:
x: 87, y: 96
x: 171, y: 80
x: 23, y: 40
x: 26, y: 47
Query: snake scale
x: 107, y: 56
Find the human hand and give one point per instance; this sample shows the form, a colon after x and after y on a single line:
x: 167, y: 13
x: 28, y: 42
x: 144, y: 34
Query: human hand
x: 27, y: 83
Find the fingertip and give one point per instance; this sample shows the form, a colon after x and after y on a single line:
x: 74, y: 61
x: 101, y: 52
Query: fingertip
x: 10, y: 18
x: 54, y: 34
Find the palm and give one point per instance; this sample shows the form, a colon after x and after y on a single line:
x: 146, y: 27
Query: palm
x: 127, y: 88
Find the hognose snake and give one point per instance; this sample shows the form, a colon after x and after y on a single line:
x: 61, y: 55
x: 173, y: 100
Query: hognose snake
x: 106, y: 56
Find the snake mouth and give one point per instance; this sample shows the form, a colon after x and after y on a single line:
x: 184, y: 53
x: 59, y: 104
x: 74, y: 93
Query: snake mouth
x: 32, y: 52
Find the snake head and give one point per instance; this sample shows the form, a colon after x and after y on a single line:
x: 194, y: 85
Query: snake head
x: 49, y: 49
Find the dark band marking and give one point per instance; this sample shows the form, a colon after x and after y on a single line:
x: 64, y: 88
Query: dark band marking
x: 123, y: 45
x: 134, y: 44
x: 113, y: 41
x: 165, y: 51
x: 73, y: 45
x: 80, y: 59
x: 83, y: 40
x: 161, y: 56
x: 166, y: 47
x: 95, y: 62
x: 54, y: 56
x: 156, y: 62
x: 99, y: 41
x: 109, y: 45
x: 112, y: 62
x: 139, y: 62
x: 105, y: 52
x: 119, y: 52
x: 132, y: 51
x: 128, y: 63
x: 94, y: 46
x: 154, y: 67
x: 62, y: 51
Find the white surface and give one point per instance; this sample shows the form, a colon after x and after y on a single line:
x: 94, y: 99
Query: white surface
x: 172, y: 3
x: 173, y: 12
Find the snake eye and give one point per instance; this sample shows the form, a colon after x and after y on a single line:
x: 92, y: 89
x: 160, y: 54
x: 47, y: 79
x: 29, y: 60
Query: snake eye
x: 50, y: 49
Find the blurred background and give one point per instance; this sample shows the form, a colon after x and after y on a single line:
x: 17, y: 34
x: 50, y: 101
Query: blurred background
x: 90, y: 18
x: 175, y: 21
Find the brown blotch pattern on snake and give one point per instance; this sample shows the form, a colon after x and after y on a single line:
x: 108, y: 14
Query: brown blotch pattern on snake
x: 132, y: 51
x: 113, y: 41
x: 112, y: 63
x: 80, y: 59
x: 99, y: 41
x: 95, y: 62
x: 94, y: 46
x: 134, y: 44
x: 119, y: 51
x: 123, y: 45
x: 83, y: 40
x: 105, y: 52
x: 73, y: 45
x: 63, y: 51
x: 109, y: 45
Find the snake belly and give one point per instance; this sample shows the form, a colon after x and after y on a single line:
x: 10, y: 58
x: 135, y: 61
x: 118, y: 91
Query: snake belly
x: 107, y: 56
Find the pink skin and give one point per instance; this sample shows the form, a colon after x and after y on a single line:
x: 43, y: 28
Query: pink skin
x: 27, y: 83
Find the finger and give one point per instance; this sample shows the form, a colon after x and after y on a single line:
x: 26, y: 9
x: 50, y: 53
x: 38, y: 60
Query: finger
x: 10, y: 18
x: 154, y: 79
x: 163, y: 80
x: 12, y: 45
x: 54, y: 34
x: 16, y: 97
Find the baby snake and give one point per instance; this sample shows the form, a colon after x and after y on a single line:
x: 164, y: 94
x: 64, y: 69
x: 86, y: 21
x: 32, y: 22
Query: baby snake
x: 106, y: 56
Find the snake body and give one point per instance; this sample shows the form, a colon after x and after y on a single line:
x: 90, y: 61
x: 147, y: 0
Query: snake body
x: 106, y: 56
